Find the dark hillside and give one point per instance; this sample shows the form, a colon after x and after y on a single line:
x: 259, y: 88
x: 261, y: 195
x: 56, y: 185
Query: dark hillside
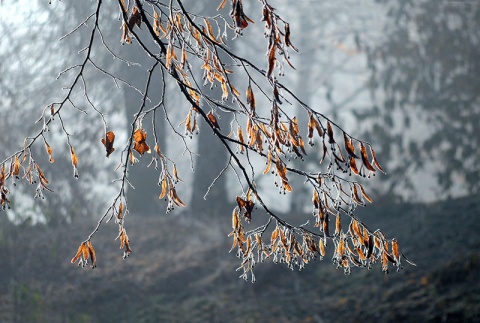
x: 181, y: 271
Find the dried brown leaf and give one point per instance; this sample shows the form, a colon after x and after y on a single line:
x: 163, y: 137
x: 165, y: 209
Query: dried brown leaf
x: 108, y: 142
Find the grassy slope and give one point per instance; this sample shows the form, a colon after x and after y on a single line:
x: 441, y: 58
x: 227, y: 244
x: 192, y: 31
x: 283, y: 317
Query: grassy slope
x: 181, y: 271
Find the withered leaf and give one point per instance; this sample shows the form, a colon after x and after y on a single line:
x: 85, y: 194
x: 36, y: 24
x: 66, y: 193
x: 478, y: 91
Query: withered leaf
x: 271, y: 61
x: 108, y: 142
x: 120, y: 211
x: 287, y: 37
x: 49, y: 152
x: 164, y: 188
x: 91, y: 252
x: 140, y: 136
x: 135, y: 18
x: 74, y: 162
x: 365, y: 194
x: 241, y: 139
x: 331, y: 140
x: 241, y: 20
x: 125, y: 34
x: 220, y: 7
x: 315, y: 200
x: 325, y: 226
x: 375, y: 161
x: 213, y: 120
x: 16, y: 167
x: 175, y: 198
x: 395, y: 250
x: 210, y: 31
x: 74, y: 157
x: 338, y: 225
x: 353, y: 165
x: 269, y: 162
x: 156, y: 23
x: 251, y: 99
x: 349, y: 147
x: 78, y: 254
x: 322, y: 247
x: 365, y: 161
x: 175, y: 173
x: 356, y: 197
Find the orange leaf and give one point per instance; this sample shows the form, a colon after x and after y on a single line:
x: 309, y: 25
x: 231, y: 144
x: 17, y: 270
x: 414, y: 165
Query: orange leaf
x: 78, y: 254
x: 286, y: 185
x: 356, y: 198
x: 251, y: 98
x: 395, y: 250
x: 16, y: 166
x: 156, y: 23
x: 287, y: 37
x: 175, y: 173
x: 353, y: 165
x: 365, y: 194
x: 49, y: 152
x: 120, y: 211
x: 322, y: 247
x: 269, y: 162
x: 349, y: 147
x: 365, y: 161
x: 271, y: 61
x: 240, y: 138
x: 175, y: 198
x: 375, y: 160
x: 222, y: 5
x: 210, y: 31
x: 74, y: 157
x: 74, y: 162
x: 164, y: 188
x: 140, y: 145
x: 274, y: 235
x: 338, y: 225
x: 91, y: 252
x: 108, y: 142
x: 213, y: 120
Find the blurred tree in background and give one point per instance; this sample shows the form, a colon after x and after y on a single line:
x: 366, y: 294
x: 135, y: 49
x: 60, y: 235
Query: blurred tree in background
x: 425, y: 77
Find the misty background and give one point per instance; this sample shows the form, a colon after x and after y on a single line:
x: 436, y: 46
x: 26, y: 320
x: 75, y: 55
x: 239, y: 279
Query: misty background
x: 404, y: 75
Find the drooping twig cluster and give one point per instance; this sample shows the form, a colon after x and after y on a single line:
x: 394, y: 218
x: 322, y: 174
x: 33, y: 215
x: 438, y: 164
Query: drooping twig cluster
x: 186, y: 44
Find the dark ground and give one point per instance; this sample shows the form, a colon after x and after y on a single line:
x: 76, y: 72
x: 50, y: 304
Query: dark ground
x: 181, y: 271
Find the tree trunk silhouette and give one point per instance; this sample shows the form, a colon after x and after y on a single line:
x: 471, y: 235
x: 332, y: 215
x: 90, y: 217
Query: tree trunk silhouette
x: 212, y: 159
x: 144, y: 198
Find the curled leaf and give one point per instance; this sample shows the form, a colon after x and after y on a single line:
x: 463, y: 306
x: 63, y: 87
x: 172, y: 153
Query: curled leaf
x: 135, y: 18
x: 49, y: 152
x: 164, y: 188
x: 108, y: 142
x: 375, y: 161
x: 213, y: 120
x: 91, y: 252
x: 140, y: 136
x: 74, y: 162
x: 365, y: 194
x: 331, y: 140
x: 250, y: 98
x: 349, y: 147
x: 271, y: 61
x: 287, y: 37
x: 241, y: 139
x: 365, y: 161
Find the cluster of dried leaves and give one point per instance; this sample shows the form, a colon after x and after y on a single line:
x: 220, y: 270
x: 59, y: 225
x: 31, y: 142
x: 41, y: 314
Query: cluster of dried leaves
x: 184, y: 40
